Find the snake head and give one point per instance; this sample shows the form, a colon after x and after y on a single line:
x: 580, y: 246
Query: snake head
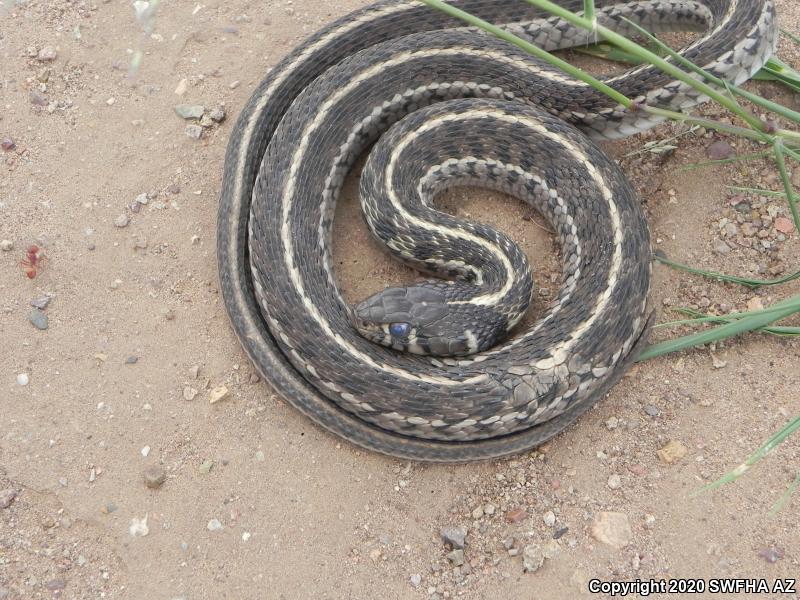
x: 416, y: 319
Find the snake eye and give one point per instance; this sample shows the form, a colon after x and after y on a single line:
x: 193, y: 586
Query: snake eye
x: 399, y: 330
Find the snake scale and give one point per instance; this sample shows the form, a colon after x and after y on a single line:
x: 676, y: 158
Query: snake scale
x: 442, y: 105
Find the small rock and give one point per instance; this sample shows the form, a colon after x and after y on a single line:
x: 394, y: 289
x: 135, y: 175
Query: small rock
x: 721, y: 247
x: 614, y: 482
x: 23, y: 379
x: 456, y: 557
x: 138, y: 527
x: 189, y: 111
x: 455, y: 536
x: 206, y: 466
x: 612, y: 423
x: 154, y: 477
x: 771, y: 554
x: 55, y: 585
x: 47, y: 54
x: 142, y: 198
x: 718, y: 363
x: 189, y: 393
x: 6, y: 245
x: 246, y: 536
x: 532, y: 558
x: 234, y: 84
x: 784, y: 225
x: 217, y: 115
x: 516, y: 515
x: 215, y: 525
x: 612, y: 528
x: 416, y: 579
x: 194, y: 131
x: 41, y: 302
x: 720, y: 150
x: 508, y: 543
x: 672, y: 452
x: 755, y: 304
x: 37, y: 98
x: 549, y: 518
x: 183, y: 84
x: 477, y: 513
x: 131, y: 360
x: 489, y: 509
x: 651, y: 410
x: 7, y: 144
x: 7, y: 497
x: 122, y: 221
x: 218, y: 394
x: 38, y: 319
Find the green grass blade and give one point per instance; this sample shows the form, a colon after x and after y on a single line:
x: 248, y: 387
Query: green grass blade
x: 767, y: 447
x: 724, y: 161
x: 778, y: 506
x: 751, y: 283
x: 737, y: 327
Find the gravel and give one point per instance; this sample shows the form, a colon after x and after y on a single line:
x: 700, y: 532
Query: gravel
x: 6, y: 245
x: 189, y: 111
x: 23, y: 379
x: 194, y: 131
x: 41, y: 302
x: 215, y: 525
x: 122, y: 221
x: 532, y: 558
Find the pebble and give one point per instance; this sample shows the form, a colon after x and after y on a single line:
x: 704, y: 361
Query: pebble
x: 612, y: 423
x: 194, y: 131
x: 489, y: 509
x: 614, y: 482
x: 7, y: 144
x: 455, y: 536
x: 549, y: 518
x: 23, y: 379
x: 477, y: 513
x: 771, y: 554
x: 180, y: 89
x: 456, y: 557
x: 47, y: 54
x: 234, y: 84
x: 206, y: 466
x: 218, y: 394
x: 532, y: 558
x: 138, y: 527
x: 215, y: 525
x: 131, y: 360
x: 721, y: 247
x: 612, y: 528
x: 784, y: 225
x: 672, y: 452
x: 217, y: 115
x: 516, y: 515
x: 37, y: 98
x: 7, y: 497
x: 189, y: 111
x: 189, y: 393
x: 41, y: 302
x: 720, y: 150
x: 154, y: 477
x: 651, y: 410
x: 6, y: 245
x: 38, y: 319
x: 122, y: 221
x: 146, y: 451
x: 416, y: 579
x: 246, y: 536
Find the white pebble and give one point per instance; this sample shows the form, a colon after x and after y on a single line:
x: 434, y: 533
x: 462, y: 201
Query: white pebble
x: 23, y: 379
x: 138, y: 527
x: 145, y: 451
x: 214, y: 525
x: 245, y: 536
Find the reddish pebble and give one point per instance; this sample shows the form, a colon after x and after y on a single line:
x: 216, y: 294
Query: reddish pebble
x: 516, y: 516
x: 555, y: 484
x: 784, y: 225
x: 637, y: 470
x: 720, y: 150
x: 8, y: 144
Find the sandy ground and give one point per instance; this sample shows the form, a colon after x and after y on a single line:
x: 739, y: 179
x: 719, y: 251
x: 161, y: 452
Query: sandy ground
x: 258, y: 502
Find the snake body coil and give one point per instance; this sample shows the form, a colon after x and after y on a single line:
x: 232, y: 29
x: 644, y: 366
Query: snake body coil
x: 452, y: 106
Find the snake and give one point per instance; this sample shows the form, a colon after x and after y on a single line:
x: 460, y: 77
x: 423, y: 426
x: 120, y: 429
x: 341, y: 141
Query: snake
x: 441, y: 370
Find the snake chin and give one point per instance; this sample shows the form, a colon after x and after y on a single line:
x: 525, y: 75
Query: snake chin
x: 426, y: 319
